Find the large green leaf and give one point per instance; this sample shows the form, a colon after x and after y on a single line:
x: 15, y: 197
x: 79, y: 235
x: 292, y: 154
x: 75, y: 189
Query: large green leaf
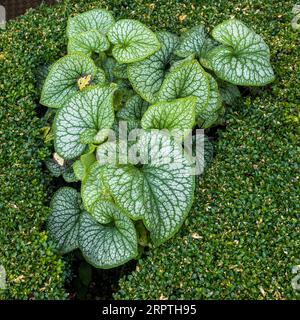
x: 62, y: 80
x: 191, y: 42
x: 147, y: 76
x: 97, y: 19
x: 243, y: 58
x: 161, y: 191
x: 176, y: 114
x: 84, y: 119
x: 92, y: 187
x: 132, y: 41
x: 210, y: 114
x: 88, y: 42
x: 187, y: 79
x: 107, y: 245
x: 63, y: 221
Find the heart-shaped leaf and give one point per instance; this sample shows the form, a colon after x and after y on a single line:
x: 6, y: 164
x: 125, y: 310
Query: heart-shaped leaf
x: 97, y: 19
x: 62, y: 80
x: 191, y: 42
x: 147, y: 76
x: 63, y: 221
x: 243, y: 58
x: 161, y: 191
x: 187, y: 79
x: 107, y: 245
x: 210, y: 114
x: 92, y: 187
x: 176, y: 114
x: 84, y: 119
x: 132, y: 41
x: 88, y: 42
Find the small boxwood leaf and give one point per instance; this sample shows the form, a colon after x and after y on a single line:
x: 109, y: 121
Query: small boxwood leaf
x: 62, y: 80
x: 175, y: 114
x: 159, y: 192
x: 243, y: 58
x: 108, y: 245
x: 132, y: 41
x: 187, y: 79
x: 63, y: 221
x: 97, y: 19
x: 88, y: 42
x: 89, y: 109
x: 147, y: 76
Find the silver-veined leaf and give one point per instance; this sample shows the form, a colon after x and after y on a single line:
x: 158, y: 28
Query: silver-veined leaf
x: 63, y: 221
x: 176, y: 114
x: 88, y: 42
x: 132, y: 41
x: 187, y: 79
x: 160, y: 192
x: 108, y: 245
x: 243, y: 58
x: 97, y: 19
x: 62, y: 81
x: 147, y: 76
x: 87, y: 115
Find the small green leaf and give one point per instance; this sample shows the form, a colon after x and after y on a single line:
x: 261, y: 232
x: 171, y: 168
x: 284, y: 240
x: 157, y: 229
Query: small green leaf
x: 159, y: 192
x: 147, y: 76
x: 82, y: 165
x: 210, y: 114
x: 204, y: 55
x: 62, y: 81
x: 175, y: 114
x: 88, y: 42
x: 89, y: 109
x: 69, y: 175
x: 187, y: 79
x: 108, y: 245
x: 100, y: 77
x: 191, y: 42
x: 132, y: 41
x: 229, y: 92
x: 92, y: 187
x: 97, y: 19
x: 63, y: 221
x: 133, y: 110
x: 243, y: 58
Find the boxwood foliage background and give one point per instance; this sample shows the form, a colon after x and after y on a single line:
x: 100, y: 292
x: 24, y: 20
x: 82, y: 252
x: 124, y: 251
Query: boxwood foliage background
x: 242, y: 237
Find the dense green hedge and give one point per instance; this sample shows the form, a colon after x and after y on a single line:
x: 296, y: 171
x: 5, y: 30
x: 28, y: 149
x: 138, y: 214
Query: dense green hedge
x: 245, y: 210
x: 242, y: 238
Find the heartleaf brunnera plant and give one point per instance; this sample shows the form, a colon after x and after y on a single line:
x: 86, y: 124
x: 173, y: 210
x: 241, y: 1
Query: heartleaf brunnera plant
x: 122, y: 72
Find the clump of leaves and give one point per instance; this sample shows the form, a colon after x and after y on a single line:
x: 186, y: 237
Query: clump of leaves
x: 122, y: 71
